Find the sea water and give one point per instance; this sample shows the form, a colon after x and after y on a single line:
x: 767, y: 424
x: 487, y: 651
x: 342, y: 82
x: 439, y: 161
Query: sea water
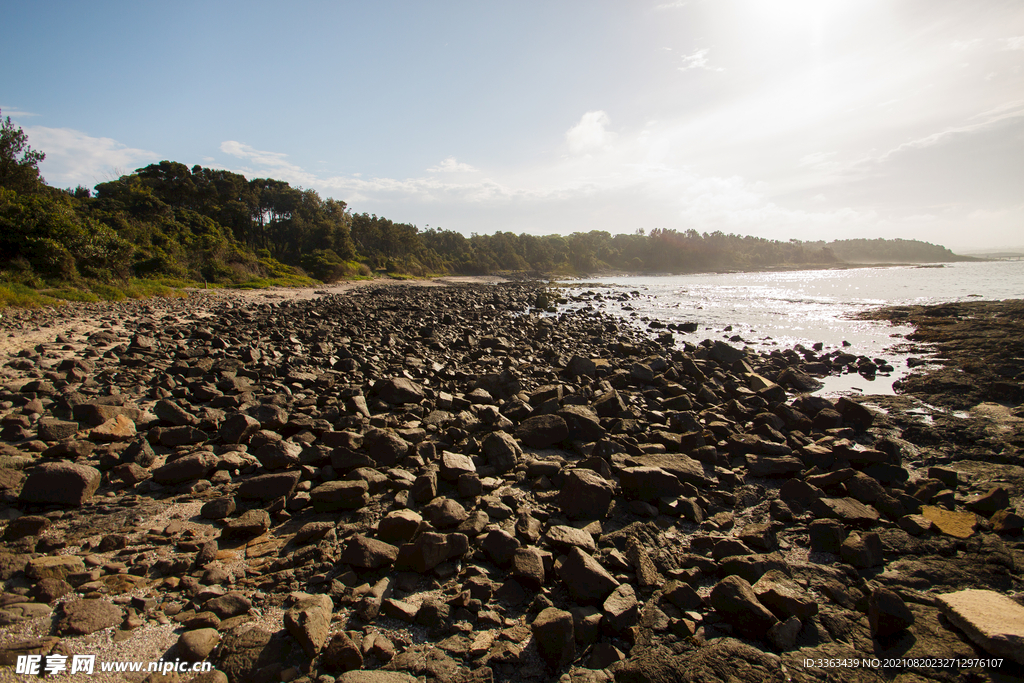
x: 781, y: 309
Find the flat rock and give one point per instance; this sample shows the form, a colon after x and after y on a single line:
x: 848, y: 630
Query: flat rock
x: 993, y: 621
x: 848, y: 510
x: 54, y: 567
x: 958, y: 524
x: 82, y: 617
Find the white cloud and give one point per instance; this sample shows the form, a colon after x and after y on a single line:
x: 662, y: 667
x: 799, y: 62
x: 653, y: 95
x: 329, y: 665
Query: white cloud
x: 698, y: 59
x: 964, y: 45
x: 244, y: 151
x: 15, y: 112
x: 450, y: 165
x: 75, y: 158
x: 590, y: 134
x: 1014, y: 43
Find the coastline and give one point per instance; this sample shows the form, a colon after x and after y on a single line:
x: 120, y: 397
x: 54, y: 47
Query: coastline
x: 406, y: 452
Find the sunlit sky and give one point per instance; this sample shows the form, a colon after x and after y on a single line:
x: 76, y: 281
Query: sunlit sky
x: 807, y: 119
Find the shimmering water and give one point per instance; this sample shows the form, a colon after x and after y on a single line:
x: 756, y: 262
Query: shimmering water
x: 770, y: 310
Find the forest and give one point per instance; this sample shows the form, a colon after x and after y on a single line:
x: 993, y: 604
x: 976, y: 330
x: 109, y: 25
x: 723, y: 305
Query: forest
x: 200, y: 224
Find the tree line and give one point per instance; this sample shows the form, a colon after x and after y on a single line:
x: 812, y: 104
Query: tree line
x: 169, y: 220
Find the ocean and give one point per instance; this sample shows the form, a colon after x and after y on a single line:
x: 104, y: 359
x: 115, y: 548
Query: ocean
x: 780, y: 309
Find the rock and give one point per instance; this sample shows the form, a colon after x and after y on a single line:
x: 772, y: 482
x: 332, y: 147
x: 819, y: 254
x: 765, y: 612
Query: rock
x: 724, y: 660
x: 586, y: 495
x: 784, y: 597
x: 368, y: 553
x: 620, y: 609
x: 82, y: 617
x: 957, y: 524
x: 119, y: 428
x: 500, y: 546
x: 309, y: 622
x: 586, y: 580
x: 196, y: 646
x: 826, y: 535
x: 11, y: 650
x: 1006, y: 522
x: 444, y: 513
x: 60, y: 483
x: 783, y: 635
x: 173, y: 437
x: 29, y: 525
x: 269, y: 486
x: 854, y: 414
x: 431, y: 549
x: 23, y: 611
x: 528, y: 567
x: 249, y: 524
x: 734, y: 599
x: 887, y: 613
x: 992, y: 621
x: 399, y: 526
x: 238, y: 428
x: 862, y: 550
x: 997, y: 498
x: 399, y: 391
x: 582, y: 422
x: 52, y: 429
x: 649, y: 483
x: 502, y: 451
x: 189, y: 467
x: 219, y: 508
x: 229, y: 605
x: 340, y: 495
x: 172, y: 413
x: 454, y: 465
x: 553, y: 633
x: 279, y: 455
x: 54, y: 567
x: 385, y: 447
x: 563, y: 538
x: 374, y: 677
x: 847, y: 510
x: 543, y: 431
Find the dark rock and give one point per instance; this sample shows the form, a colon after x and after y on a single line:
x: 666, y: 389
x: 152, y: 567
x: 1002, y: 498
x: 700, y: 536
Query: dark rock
x: 553, y: 632
x: 585, y: 578
x: 269, y: 486
x: 61, y: 483
x: 586, y: 495
x: 543, y: 431
x: 734, y: 599
x: 887, y: 613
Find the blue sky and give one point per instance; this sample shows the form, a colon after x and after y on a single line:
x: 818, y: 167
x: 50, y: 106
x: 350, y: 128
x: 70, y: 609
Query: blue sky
x: 808, y: 119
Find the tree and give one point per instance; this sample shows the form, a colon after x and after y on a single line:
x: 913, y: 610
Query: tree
x: 19, y: 163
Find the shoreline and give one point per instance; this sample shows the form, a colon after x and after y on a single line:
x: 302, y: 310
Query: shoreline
x: 428, y: 479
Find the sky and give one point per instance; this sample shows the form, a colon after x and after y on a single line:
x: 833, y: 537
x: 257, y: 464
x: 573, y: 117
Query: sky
x: 783, y: 119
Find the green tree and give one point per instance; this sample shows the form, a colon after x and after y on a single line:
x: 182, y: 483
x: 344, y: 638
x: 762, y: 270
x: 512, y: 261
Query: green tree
x: 19, y: 163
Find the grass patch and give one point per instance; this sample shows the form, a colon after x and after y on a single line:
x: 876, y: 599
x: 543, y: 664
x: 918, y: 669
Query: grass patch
x: 14, y: 295
x: 285, y: 281
x: 144, y: 289
x: 70, y: 294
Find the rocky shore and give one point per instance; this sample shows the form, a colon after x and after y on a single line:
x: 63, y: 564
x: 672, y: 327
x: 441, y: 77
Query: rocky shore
x: 393, y: 484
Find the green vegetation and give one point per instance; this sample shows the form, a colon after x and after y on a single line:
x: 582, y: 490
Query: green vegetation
x: 166, y: 227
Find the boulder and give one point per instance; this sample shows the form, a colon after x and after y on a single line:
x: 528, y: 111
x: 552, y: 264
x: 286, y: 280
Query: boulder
x: 553, y: 633
x: 734, y: 599
x: 585, y: 578
x: 61, y: 483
